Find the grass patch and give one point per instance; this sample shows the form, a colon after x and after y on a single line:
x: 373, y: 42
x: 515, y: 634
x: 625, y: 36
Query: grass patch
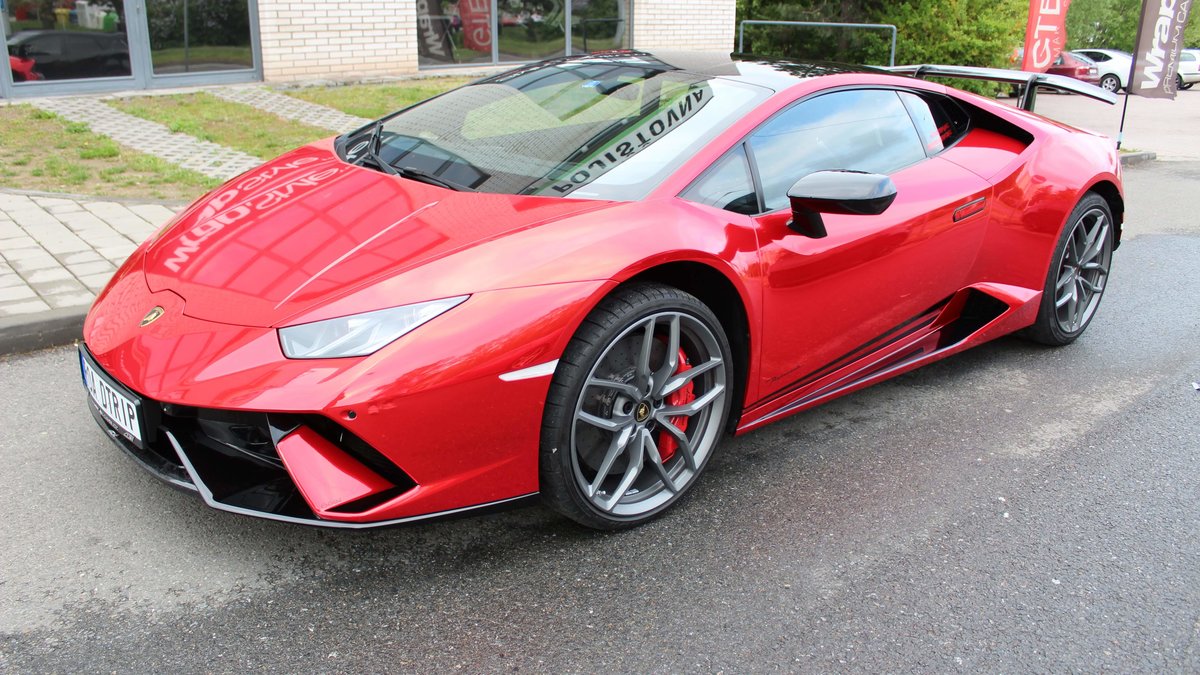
x: 233, y: 125
x: 376, y: 100
x: 40, y: 151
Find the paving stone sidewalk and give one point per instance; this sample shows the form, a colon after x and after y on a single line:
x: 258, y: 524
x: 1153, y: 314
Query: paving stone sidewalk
x: 57, y: 253
x: 291, y: 108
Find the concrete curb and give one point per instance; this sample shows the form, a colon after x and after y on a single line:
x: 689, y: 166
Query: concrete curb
x: 37, y: 331
x: 1129, y: 159
x: 173, y: 203
x: 63, y: 326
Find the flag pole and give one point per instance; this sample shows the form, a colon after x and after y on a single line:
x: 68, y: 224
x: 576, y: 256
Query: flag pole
x: 1124, y: 109
x: 1137, y: 41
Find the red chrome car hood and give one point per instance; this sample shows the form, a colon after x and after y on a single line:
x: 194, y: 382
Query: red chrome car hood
x: 307, y: 228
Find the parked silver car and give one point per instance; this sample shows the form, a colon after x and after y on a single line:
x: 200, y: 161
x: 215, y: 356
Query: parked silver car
x: 1112, y: 64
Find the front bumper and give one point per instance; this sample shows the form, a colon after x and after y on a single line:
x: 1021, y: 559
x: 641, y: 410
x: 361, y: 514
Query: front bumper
x: 293, y: 468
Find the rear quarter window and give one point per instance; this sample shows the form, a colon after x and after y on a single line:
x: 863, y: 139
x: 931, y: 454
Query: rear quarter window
x: 940, y: 121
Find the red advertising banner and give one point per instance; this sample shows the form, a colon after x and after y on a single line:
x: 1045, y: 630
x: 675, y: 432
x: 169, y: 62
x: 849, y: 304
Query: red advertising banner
x: 1156, y: 50
x: 476, y: 18
x: 1045, y: 34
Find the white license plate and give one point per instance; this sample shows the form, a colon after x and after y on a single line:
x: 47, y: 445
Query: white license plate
x: 116, y: 407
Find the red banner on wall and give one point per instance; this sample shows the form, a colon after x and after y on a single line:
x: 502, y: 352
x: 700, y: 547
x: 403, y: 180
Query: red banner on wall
x: 1045, y: 34
x: 476, y: 18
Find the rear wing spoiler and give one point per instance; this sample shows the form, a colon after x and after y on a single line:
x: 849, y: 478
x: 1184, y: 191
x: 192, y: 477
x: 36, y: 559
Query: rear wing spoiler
x: 1031, y: 81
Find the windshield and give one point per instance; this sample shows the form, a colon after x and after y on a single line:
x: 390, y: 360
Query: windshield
x: 592, y: 127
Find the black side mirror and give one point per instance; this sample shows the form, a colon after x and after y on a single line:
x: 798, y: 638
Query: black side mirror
x: 845, y: 192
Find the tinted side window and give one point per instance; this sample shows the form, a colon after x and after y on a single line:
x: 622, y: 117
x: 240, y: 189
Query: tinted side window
x: 727, y: 185
x: 863, y: 130
x: 46, y: 45
x: 81, y: 46
x: 940, y: 121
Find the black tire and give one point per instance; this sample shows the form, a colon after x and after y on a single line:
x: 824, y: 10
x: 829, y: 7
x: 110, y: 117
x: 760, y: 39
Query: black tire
x: 615, y: 449
x: 1078, y: 274
x: 1110, y: 82
x: 1186, y: 86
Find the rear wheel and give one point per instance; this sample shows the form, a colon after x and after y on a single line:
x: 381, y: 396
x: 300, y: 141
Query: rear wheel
x: 636, y: 408
x: 1078, y: 274
x: 1110, y: 82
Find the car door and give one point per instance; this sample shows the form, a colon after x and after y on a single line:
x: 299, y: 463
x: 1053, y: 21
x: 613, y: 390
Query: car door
x: 827, y: 297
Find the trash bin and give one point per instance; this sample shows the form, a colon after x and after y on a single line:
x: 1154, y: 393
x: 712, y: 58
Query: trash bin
x: 62, y: 17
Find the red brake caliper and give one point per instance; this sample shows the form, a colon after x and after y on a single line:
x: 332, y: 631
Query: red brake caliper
x: 667, y: 443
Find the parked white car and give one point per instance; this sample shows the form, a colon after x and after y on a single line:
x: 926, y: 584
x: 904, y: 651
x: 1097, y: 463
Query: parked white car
x: 1113, y: 66
x: 1189, y: 69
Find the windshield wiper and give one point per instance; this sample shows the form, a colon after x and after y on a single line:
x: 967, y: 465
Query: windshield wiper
x: 375, y: 142
x: 372, y: 150
x: 426, y: 177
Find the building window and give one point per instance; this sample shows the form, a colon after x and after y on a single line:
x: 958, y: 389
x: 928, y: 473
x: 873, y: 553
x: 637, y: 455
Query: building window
x: 515, y: 31
x: 190, y: 36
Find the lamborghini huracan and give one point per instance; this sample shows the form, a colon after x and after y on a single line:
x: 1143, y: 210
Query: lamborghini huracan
x: 573, y: 279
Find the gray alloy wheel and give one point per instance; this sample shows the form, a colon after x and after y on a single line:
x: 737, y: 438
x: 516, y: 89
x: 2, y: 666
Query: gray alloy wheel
x: 1078, y: 275
x: 1110, y: 82
x: 638, y: 404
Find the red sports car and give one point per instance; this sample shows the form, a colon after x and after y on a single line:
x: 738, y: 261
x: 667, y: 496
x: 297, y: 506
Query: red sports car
x: 575, y: 278
x: 22, y: 69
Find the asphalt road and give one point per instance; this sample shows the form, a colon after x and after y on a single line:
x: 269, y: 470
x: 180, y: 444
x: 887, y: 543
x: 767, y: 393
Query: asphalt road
x: 1162, y: 125
x: 1013, y: 509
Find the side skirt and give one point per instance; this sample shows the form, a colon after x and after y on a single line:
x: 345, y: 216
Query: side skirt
x: 970, y: 317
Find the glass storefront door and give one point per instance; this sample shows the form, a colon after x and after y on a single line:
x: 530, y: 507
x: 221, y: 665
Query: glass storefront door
x: 532, y: 30
x: 195, y: 36
x: 505, y: 31
x: 597, y: 25
x: 64, y: 46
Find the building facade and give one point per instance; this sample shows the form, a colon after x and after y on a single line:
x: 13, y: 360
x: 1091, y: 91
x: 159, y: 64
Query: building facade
x: 76, y: 46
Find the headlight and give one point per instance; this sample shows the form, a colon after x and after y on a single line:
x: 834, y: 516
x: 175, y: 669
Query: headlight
x: 360, y: 334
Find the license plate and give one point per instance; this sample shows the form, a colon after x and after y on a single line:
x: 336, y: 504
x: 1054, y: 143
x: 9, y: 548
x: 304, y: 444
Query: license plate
x: 116, y: 407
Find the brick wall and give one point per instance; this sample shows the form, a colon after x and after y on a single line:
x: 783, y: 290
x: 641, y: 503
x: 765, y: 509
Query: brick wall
x: 348, y: 39
x: 353, y: 39
x: 684, y: 24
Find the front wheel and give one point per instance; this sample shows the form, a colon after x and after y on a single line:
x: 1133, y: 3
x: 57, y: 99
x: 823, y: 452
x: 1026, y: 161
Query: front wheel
x: 636, y: 408
x: 1110, y: 83
x: 1078, y: 274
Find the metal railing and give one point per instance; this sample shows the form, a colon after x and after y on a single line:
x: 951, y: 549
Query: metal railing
x: 820, y: 24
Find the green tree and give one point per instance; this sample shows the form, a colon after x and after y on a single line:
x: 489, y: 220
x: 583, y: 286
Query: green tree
x: 1102, y: 24
x: 963, y: 32
x: 959, y: 32
x: 1112, y: 24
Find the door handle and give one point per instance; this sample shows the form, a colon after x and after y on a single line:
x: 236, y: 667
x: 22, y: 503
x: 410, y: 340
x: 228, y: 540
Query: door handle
x: 971, y: 208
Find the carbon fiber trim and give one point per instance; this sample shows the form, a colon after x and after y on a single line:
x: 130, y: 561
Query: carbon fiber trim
x: 207, y: 496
